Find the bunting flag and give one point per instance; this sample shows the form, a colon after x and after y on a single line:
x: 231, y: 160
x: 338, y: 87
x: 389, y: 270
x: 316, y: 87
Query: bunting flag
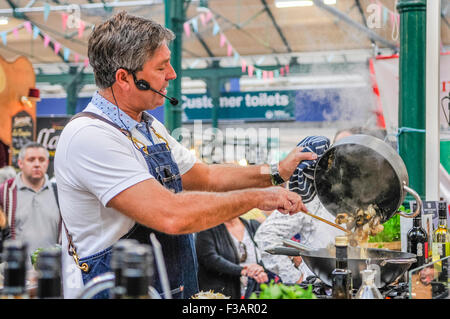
x: 57, y: 47
x: 250, y: 70
x: 46, y: 40
x: 81, y: 28
x: 187, y: 29
x: 223, y: 39
x: 194, y: 23
x: 243, y: 65
x: 205, y: 18
x: 46, y: 11
x: 36, y: 32
x: 229, y: 49
x: 64, y: 17
x: 66, y: 54
x: 27, y: 25
x: 216, y: 29
x: 4, y: 40
x: 208, y: 16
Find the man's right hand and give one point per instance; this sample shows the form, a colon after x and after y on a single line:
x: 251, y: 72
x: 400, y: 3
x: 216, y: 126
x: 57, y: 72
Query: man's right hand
x: 281, y: 199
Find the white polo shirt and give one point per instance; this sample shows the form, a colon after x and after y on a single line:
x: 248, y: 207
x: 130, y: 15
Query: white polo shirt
x: 94, y: 162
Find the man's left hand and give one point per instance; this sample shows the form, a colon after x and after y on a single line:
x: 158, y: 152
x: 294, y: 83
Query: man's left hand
x: 288, y: 165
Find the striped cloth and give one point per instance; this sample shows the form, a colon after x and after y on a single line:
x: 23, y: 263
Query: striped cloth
x: 302, y: 181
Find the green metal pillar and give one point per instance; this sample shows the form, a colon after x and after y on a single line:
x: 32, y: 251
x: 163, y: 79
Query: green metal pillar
x: 213, y: 83
x: 72, y: 90
x: 412, y: 77
x: 174, y: 19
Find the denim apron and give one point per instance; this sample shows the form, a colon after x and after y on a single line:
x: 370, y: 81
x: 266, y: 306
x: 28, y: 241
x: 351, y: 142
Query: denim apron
x: 179, y: 250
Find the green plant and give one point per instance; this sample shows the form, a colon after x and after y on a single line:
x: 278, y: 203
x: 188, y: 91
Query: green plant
x: 281, y: 291
x: 391, y: 231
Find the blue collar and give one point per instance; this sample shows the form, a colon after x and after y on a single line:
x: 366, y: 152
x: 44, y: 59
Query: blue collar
x: 116, y: 114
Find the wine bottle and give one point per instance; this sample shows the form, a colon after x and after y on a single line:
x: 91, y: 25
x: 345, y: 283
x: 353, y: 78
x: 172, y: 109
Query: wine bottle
x: 441, y: 244
x: 417, y: 242
x: 117, y: 265
x: 48, y: 266
x: 15, y: 254
x: 137, y: 272
x: 341, y: 277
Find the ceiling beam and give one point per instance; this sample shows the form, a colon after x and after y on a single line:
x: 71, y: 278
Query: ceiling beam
x: 275, y: 24
x: 361, y: 11
x: 218, y: 72
x: 239, y: 27
x: 342, y: 16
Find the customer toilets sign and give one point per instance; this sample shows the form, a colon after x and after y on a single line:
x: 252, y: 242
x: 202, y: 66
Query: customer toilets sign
x: 304, y: 105
x: 277, y: 105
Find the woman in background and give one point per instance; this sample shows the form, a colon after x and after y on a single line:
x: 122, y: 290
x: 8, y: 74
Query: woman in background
x: 229, y: 259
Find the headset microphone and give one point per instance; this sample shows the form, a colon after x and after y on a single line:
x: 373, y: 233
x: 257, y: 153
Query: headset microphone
x: 144, y: 86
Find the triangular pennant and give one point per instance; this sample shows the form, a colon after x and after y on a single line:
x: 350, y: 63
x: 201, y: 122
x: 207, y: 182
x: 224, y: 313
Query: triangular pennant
x: 236, y: 56
x: 187, y: 29
x: 4, y: 40
x: 282, y: 71
x: 276, y: 73
x: 264, y: 75
x: 250, y: 70
x: 56, y: 47
x: 208, y: 16
x: 195, y: 25
x: 36, y: 32
x: 258, y: 73
x: 64, y: 17
x: 46, y: 11
x: 243, y: 65
x: 270, y: 74
x: 229, y: 49
x: 46, y: 40
x: 287, y: 68
x: 15, y: 31
x: 81, y: 28
x: 223, y: 39
x: 76, y: 57
x: 27, y: 25
x: 86, y: 62
x: 66, y: 54
x: 216, y: 28
x: 203, y: 19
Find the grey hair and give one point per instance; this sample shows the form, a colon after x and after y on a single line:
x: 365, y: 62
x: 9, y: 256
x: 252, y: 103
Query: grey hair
x: 32, y: 145
x: 124, y: 41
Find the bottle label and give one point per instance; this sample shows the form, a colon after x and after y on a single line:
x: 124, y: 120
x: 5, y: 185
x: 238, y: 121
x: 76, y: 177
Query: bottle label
x: 419, y: 250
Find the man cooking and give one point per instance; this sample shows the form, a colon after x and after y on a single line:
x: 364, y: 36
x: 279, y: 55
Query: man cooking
x: 121, y: 175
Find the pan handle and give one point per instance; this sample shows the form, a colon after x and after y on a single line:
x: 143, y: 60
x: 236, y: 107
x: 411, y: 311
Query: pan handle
x: 418, y: 201
x: 398, y: 261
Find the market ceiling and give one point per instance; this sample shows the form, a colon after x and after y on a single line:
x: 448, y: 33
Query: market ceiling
x: 56, y: 31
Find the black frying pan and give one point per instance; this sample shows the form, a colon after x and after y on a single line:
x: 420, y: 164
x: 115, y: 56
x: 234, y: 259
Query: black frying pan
x: 389, y: 264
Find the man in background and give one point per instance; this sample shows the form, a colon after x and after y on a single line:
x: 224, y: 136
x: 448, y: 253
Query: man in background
x: 29, y: 201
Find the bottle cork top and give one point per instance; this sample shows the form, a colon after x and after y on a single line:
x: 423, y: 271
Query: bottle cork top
x: 341, y: 241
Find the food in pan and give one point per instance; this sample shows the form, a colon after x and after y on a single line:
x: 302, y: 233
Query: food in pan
x: 365, y: 223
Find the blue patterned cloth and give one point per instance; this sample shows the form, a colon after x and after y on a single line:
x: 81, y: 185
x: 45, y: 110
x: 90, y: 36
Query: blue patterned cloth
x: 302, y: 180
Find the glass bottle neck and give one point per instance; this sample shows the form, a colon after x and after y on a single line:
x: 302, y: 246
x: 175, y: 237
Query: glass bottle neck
x: 341, y: 257
x: 417, y: 222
